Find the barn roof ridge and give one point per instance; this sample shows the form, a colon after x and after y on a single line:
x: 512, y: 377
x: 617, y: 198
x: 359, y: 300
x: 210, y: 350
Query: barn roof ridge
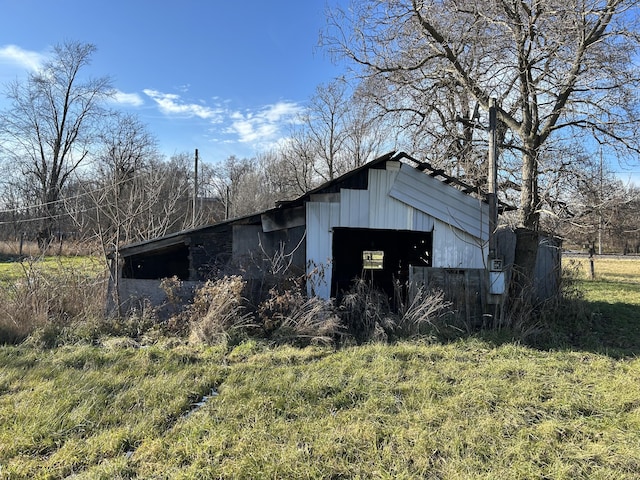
x: 393, y: 155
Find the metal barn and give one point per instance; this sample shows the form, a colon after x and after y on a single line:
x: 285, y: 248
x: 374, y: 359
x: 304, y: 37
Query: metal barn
x: 385, y: 221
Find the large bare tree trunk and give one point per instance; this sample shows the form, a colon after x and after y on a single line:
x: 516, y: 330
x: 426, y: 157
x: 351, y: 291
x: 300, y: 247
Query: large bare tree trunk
x: 529, y: 213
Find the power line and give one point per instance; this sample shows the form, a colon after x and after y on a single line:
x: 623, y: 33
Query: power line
x: 74, y: 197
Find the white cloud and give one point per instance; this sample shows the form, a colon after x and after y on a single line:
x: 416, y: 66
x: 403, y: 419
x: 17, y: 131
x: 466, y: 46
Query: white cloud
x: 264, y: 125
x: 254, y: 128
x: 131, y: 99
x: 23, y: 58
x: 170, y: 104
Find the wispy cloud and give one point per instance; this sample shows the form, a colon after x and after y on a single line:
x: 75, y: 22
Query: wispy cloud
x: 266, y: 124
x: 128, y: 99
x: 255, y: 127
x: 171, y: 104
x: 21, y: 57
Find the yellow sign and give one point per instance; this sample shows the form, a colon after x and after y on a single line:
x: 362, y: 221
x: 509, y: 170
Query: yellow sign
x: 372, y: 259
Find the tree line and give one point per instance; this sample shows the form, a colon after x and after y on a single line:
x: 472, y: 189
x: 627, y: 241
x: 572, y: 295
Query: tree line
x: 421, y: 74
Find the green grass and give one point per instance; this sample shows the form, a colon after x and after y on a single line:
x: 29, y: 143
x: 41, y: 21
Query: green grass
x: 611, y: 292
x: 70, y: 409
x: 13, y: 269
x: 471, y: 409
x: 609, y: 269
x: 468, y: 410
x: 611, y: 319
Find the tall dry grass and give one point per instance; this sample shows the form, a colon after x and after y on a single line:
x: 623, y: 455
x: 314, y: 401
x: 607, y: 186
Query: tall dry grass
x: 66, y: 248
x: 50, y: 302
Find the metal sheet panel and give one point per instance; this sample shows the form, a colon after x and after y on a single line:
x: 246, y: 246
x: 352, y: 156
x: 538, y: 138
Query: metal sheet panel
x: 422, y: 222
x: 321, y: 218
x: 354, y: 208
x: 441, y: 201
x: 386, y: 212
x: 453, y: 248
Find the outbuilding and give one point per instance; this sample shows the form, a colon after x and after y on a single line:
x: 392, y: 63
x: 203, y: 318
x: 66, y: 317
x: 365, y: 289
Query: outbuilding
x: 394, y: 220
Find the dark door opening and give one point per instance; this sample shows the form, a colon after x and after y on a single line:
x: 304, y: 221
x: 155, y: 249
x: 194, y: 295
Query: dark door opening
x: 157, y: 264
x: 379, y: 256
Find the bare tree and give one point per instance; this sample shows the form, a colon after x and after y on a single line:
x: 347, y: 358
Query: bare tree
x: 340, y: 130
x: 122, y: 175
x: 51, y: 125
x: 287, y: 173
x: 554, y: 66
x: 126, y: 147
x: 324, y: 126
x: 296, y: 160
x: 602, y: 212
x: 228, y: 180
x: 365, y: 129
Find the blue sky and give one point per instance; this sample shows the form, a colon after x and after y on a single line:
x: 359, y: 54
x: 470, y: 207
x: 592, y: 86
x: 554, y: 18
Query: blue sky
x: 225, y: 77
x: 222, y: 76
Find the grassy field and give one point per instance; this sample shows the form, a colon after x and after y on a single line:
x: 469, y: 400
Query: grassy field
x: 608, y: 269
x: 613, y: 302
x: 464, y: 410
x: 471, y: 409
x: 12, y: 270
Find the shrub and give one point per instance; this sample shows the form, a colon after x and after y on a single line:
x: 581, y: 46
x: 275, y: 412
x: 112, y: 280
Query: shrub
x: 217, y: 314
x: 138, y: 322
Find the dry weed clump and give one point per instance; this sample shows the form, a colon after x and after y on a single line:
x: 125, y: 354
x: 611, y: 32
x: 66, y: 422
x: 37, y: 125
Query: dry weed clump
x: 369, y: 315
x: 218, y: 313
x: 289, y: 316
x: 423, y: 308
x: 366, y: 312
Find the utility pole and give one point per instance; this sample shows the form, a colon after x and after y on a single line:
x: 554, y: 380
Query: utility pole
x: 600, y: 204
x: 492, y: 180
x: 195, y: 191
x: 495, y: 268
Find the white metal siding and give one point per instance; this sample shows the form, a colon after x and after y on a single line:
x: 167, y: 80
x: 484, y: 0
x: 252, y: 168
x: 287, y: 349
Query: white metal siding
x: 386, y: 212
x: 453, y: 248
x: 422, y: 222
x: 321, y: 218
x: 398, y: 199
x: 354, y: 208
x: 441, y: 201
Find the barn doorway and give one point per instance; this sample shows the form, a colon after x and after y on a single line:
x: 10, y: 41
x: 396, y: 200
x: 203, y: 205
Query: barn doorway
x: 156, y: 264
x: 379, y: 256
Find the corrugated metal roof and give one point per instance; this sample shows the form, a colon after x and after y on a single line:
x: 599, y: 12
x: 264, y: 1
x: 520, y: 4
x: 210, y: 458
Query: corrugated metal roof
x: 352, y: 180
x: 438, y: 200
